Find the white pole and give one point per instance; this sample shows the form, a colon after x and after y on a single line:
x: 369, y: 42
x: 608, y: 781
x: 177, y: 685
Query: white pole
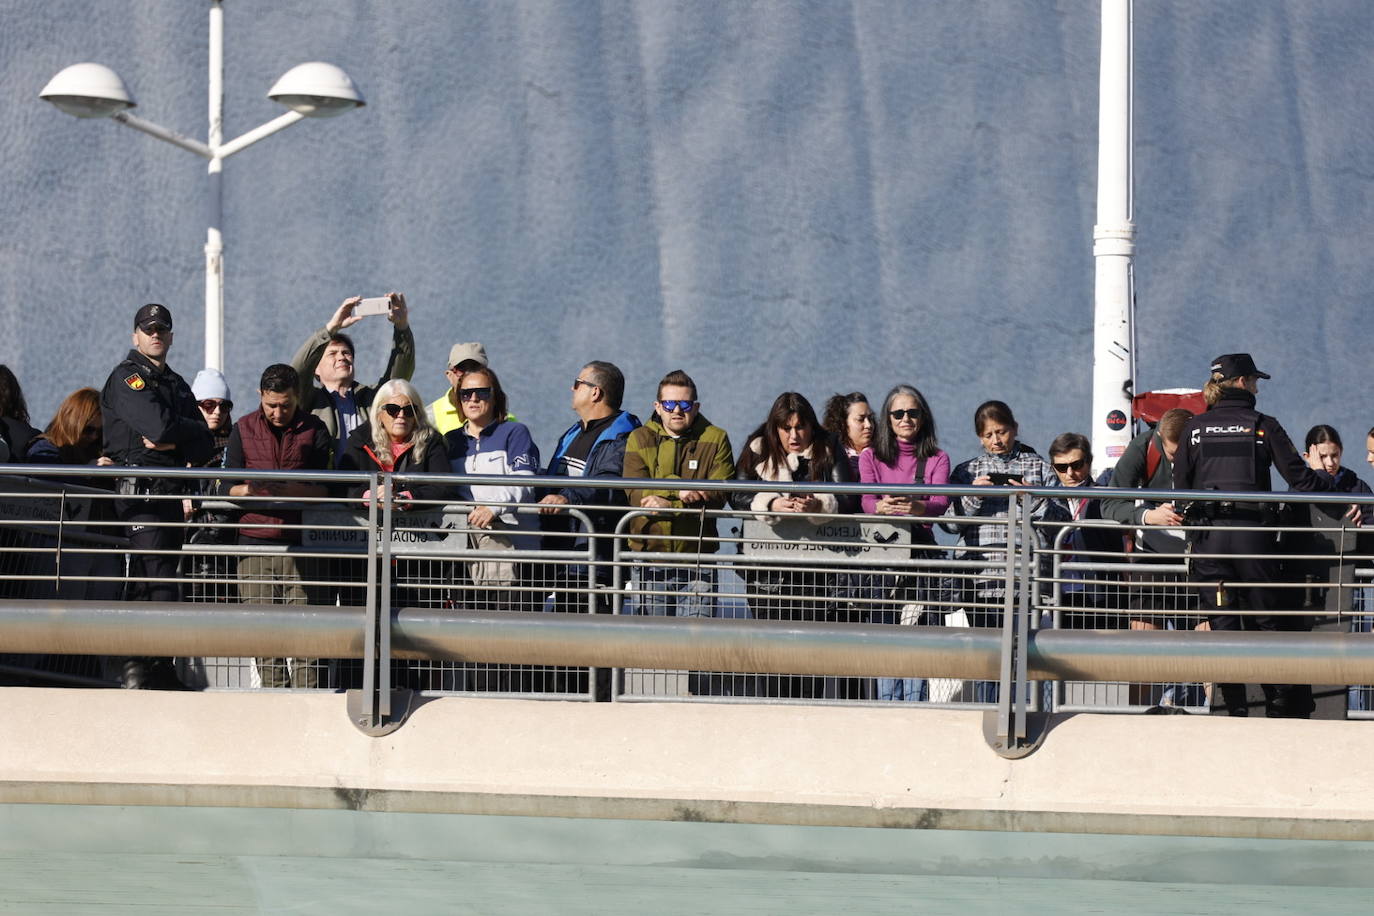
x: 1113, y: 243
x: 214, y: 241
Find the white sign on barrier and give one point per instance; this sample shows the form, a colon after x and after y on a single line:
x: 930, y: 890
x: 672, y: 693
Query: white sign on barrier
x: 426, y: 531
x: 849, y: 537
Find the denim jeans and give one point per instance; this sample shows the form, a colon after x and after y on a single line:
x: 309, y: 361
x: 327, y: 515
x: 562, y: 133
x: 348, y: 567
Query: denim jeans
x: 677, y: 591
x: 1361, y: 697
x: 910, y: 689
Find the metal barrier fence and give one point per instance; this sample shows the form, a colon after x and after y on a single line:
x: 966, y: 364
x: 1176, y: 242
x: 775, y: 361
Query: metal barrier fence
x: 65, y: 540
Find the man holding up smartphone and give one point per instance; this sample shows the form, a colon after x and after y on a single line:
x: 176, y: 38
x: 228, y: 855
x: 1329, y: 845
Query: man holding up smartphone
x: 327, y: 356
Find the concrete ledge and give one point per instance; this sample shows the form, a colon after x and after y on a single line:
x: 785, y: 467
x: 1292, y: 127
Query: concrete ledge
x: 902, y: 767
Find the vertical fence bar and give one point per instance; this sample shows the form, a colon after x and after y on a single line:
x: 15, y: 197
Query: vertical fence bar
x: 384, y: 604
x: 592, y: 673
x: 618, y: 578
x: 370, y: 624
x: 1057, y: 601
x: 1028, y: 557
x: 1008, y: 618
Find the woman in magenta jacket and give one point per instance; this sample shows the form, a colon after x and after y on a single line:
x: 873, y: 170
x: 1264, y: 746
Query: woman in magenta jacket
x: 905, y: 450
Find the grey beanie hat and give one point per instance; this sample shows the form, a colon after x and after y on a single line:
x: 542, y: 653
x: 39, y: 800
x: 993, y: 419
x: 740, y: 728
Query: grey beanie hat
x: 210, y: 384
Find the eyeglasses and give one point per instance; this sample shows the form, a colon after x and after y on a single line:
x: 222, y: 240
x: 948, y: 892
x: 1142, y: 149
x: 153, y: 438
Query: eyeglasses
x: 911, y: 413
x: 213, y: 404
x: 396, y: 410
x: 675, y: 406
x: 1066, y: 466
x: 578, y: 381
x: 154, y: 329
x: 475, y: 394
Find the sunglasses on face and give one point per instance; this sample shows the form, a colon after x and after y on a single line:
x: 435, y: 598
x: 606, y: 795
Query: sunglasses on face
x: 675, y: 406
x: 1066, y: 466
x: 399, y: 410
x: 213, y: 405
x: 478, y: 394
x: 578, y: 381
x: 912, y: 413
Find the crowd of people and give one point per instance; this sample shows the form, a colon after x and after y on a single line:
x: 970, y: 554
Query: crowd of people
x: 312, y: 414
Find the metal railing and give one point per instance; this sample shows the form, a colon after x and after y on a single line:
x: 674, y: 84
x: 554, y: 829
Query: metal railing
x: 832, y: 608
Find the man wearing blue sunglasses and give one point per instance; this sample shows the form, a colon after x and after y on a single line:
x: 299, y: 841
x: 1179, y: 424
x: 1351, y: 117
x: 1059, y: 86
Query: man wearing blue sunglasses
x: 678, y: 446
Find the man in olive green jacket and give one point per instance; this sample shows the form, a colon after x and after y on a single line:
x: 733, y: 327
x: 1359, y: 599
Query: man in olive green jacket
x: 327, y: 356
x: 679, y: 445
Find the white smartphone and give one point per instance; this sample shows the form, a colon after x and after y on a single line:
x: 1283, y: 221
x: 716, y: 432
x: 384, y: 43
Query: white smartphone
x: 377, y: 305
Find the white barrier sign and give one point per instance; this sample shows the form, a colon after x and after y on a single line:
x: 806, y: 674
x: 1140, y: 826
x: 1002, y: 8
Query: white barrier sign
x: 845, y: 537
x: 438, y: 531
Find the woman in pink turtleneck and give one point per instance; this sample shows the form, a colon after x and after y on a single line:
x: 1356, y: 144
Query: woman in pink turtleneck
x: 905, y: 451
x: 905, y: 447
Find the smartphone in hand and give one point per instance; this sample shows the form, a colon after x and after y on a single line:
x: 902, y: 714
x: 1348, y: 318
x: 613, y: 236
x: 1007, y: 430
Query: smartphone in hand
x: 376, y: 305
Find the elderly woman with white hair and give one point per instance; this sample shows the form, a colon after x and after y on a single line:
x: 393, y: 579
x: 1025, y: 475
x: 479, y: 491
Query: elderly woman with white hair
x: 398, y: 437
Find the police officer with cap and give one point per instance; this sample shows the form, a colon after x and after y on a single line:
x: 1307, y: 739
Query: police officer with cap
x: 151, y: 420
x: 1231, y: 447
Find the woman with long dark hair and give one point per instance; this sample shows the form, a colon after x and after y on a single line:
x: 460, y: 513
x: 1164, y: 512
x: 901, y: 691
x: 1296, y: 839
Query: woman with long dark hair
x: 790, y: 445
x: 906, y: 450
x: 850, y: 422
x: 15, y: 430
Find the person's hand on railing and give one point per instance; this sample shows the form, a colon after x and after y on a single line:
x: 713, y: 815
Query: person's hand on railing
x: 400, y: 500
x: 481, y: 517
x: 899, y: 505
x: 692, y: 496
x: 795, y: 502
x: 655, y: 502
x: 986, y: 481
x: 1355, y: 515
x: 104, y: 461
x: 551, y: 503
x: 157, y: 446
x: 1163, y: 514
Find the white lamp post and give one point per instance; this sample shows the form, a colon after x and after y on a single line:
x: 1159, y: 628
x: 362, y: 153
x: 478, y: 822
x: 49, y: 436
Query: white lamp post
x: 313, y: 90
x: 1113, y: 244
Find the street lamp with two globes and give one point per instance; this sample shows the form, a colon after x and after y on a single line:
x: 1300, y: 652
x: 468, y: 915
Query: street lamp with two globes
x: 310, y: 90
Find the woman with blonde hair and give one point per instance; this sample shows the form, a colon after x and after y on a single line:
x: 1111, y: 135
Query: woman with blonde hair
x: 397, y: 437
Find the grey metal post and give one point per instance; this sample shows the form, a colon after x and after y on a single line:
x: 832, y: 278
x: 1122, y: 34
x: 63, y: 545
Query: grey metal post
x: 383, y: 689
x: 1027, y: 559
x: 370, y: 625
x: 1008, y: 618
x: 1057, y: 599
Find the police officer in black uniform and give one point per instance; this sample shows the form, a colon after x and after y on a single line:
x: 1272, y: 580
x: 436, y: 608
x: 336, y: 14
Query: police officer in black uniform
x: 151, y: 420
x: 1231, y: 447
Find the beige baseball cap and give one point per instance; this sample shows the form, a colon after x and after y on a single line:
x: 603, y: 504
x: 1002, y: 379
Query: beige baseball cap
x: 462, y: 351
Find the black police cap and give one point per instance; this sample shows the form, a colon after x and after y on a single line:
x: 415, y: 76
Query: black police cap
x: 1236, y: 365
x: 151, y: 314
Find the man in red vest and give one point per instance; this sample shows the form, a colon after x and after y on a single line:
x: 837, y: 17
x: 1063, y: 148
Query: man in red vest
x: 277, y: 436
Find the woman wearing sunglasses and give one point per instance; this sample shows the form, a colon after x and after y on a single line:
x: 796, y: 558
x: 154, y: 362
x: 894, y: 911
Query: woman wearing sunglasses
x: 905, y: 450
x: 490, y: 444
x: 397, y: 437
